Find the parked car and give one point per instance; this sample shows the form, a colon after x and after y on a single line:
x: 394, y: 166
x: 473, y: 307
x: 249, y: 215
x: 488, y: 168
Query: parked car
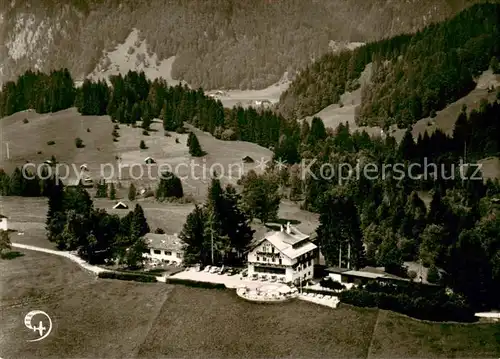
x: 214, y: 270
x: 231, y: 271
x: 244, y: 273
x: 207, y: 269
x: 273, y: 278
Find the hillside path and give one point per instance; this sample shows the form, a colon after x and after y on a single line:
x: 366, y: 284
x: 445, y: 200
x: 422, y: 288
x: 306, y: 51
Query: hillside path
x: 89, y: 267
x: 94, y: 269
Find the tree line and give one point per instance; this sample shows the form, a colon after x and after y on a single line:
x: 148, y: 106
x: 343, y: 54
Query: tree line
x: 132, y: 98
x: 413, y: 76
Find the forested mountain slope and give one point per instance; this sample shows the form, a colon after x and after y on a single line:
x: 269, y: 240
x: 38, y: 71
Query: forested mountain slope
x: 218, y: 43
x: 412, y: 76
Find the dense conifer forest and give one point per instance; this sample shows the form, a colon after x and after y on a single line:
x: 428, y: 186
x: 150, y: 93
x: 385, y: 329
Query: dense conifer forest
x: 217, y: 43
x: 413, y: 76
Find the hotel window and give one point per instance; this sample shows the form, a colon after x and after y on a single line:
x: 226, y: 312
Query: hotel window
x: 272, y: 249
x: 179, y: 255
x: 168, y: 253
x: 309, y: 263
x: 258, y: 259
x: 157, y: 251
x: 274, y: 259
x: 281, y: 262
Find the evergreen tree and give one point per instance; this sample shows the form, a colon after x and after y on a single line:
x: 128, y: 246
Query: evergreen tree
x: 55, y: 202
x: 134, y: 253
x: 261, y: 197
x: 433, y: 275
x: 5, y: 244
x: 317, y: 132
x: 101, y: 189
x: 170, y: 186
x: 236, y: 223
x: 406, y: 147
x: 132, y: 192
x: 112, y: 191
x: 139, y: 224
x: 194, y: 146
x: 389, y: 255
x: 193, y: 236
x: 338, y: 230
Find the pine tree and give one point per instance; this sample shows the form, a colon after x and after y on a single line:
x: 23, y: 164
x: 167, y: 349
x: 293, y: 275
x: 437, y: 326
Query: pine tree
x: 101, y: 189
x: 5, y: 243
x: 170, y: 186
x: 112, y: 191
x: 406, y: 148
x: 261, y: 196
x: 339, y: 228
x: 132, y: 192
x: 139, y: 224
x: 437, y: 210
x: 134, y: 253
x: 317, y: 132
x: 55, y: 202
x: 433, y: 275
x: 194, y: 146
x: 193, y: 236
x: 17, y: 183
x: 236, y: 223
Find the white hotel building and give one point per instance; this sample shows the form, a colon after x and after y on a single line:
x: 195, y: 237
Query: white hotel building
x: 286, y: 254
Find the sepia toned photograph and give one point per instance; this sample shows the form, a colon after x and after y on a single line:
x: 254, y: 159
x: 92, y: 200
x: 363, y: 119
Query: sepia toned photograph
x: 249, y: 179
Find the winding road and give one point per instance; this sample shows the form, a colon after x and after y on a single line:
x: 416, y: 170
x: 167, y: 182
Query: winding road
x: 89, y: 267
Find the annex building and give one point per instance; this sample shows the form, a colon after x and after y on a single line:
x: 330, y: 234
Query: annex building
x: 164, y: 248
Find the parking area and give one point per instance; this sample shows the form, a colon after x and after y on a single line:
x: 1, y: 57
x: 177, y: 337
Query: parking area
x: 231, y: 278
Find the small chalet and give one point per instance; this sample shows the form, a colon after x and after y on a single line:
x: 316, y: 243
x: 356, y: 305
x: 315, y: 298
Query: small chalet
x: 3, y: 223
x: 248, y: 159
x: 120, y: 205
x: 149, y: 160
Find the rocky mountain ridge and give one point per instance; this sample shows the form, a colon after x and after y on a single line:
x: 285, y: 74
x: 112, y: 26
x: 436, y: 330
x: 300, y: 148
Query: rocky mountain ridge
x: 217, y: 43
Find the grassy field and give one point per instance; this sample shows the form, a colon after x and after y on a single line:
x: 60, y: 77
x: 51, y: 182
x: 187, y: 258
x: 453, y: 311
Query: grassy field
x: 28, y: 142
x: 97, y: 318
x: 397, y: 336
x: 92, y: 317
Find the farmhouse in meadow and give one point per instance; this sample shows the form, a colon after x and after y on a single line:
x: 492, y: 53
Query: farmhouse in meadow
x: 248, y: 159
x: 149, y: 160
x: 120, y: 205
x: 164, y: 248
x: 287, y: 254
x: 3, y: 223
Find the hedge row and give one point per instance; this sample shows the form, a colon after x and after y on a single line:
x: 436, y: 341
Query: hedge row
x: 194, y: 283
x: 137, y: 277
x: 318, y: 291
x: 437, y: 306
